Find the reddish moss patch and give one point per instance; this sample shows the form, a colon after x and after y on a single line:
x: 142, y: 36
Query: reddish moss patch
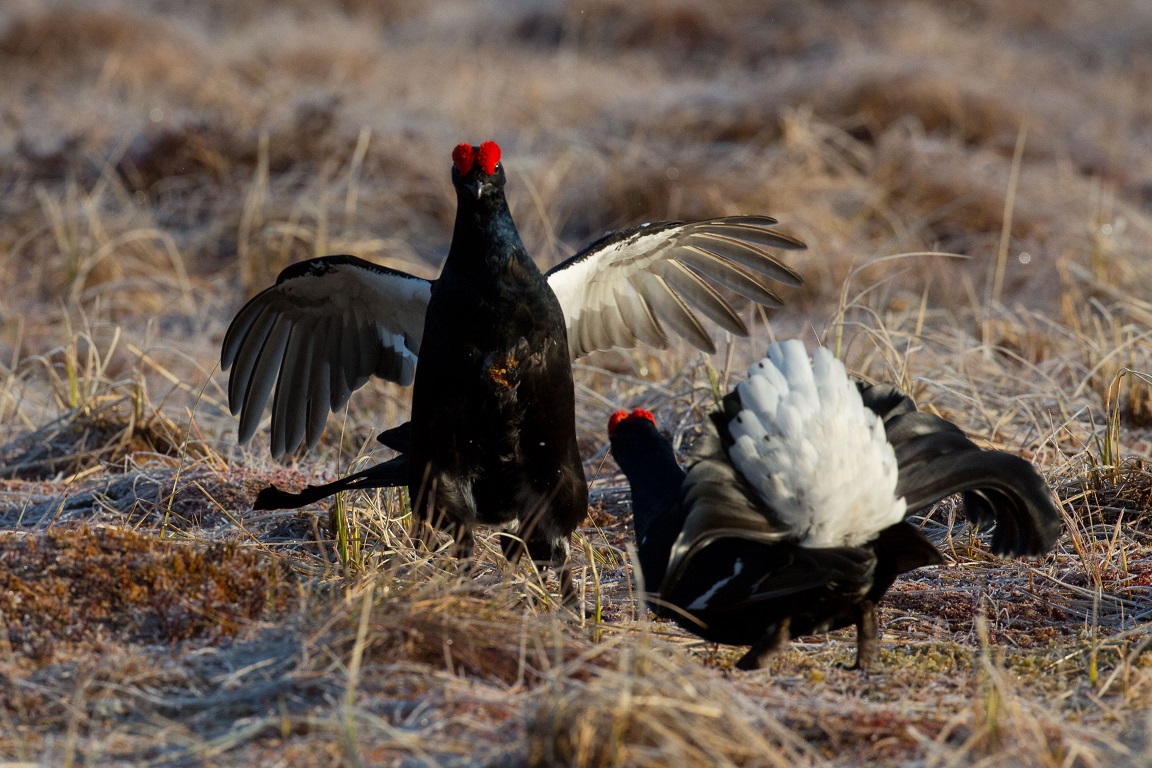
x: 76, y: 584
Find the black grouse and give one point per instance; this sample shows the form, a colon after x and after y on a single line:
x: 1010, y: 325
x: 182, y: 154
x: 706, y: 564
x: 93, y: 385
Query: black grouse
x: 492, y: 436
x: 790, y: 519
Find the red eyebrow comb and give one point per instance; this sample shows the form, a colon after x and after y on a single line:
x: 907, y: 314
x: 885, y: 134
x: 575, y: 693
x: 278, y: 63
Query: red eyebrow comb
x: 487, y: 155
x: 463, y: 157
x: 619, y: 416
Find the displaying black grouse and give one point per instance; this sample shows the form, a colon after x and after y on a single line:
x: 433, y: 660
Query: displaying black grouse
x: 492, y: 437
x: 790, y: 519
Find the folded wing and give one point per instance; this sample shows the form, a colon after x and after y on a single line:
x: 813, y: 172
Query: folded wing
x: 314, y: 337
x: 632, y: 285
x: 736, y: 589
x: 719, y: 503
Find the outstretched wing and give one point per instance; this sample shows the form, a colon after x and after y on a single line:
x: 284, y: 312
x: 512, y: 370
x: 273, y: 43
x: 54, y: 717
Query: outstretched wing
x: 936, y: 460
x: 627, y: 286
x: 316, y: 336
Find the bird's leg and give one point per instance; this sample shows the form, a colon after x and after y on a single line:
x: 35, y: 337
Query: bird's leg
x: 426, y: 535
x: 867, y: 636
x: 766, y: 646
x: 542, y: 554
x: 512, y: 546
x: 424, y: 512
x: 423, y: 534
x: 463, y: 542
x: 560, y: 552
x: 436, y: 508
x: 568, y: 596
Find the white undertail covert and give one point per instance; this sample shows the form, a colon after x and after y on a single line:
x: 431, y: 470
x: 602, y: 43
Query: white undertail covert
x: 813, y: 452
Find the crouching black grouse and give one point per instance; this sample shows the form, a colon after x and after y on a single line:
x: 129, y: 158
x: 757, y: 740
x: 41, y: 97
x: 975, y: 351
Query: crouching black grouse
x: 492, y: 438
x: 790, y: 519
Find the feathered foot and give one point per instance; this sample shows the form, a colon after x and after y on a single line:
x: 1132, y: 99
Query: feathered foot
x: 867, y: 637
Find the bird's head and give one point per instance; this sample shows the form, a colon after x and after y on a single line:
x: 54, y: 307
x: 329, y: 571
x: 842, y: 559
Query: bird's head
x: 476, y: 171
x: 632, y: 434
x: 646, y: 458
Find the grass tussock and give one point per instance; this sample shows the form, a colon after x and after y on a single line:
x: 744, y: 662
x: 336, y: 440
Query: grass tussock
x: 972, y: 180
x: 648, y: 711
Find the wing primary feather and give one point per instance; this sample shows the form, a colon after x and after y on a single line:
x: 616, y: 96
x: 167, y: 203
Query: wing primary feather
x: 334, y: 350
x: 612, y: 314
x: 238, y: 332
x: 704, y: 297
x: 369, y: 350
x: 247, y: 357
x: 752, y: 220
x: 350, y: 350
x: 638, y: 316
x: 758, y: 234
x: 745, y: 282
x: 614, y: 333
x: 320, y: 397
x: 263, y: 377
x: 742, y: 253
x: 667, y: 305
x: 293, y: 379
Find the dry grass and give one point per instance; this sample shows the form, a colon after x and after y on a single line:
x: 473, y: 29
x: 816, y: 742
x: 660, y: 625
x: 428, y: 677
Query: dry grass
x: 161, y: 162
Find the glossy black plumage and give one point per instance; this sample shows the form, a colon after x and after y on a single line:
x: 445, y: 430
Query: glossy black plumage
x: 387, y: 474
x: 720, y: 562
x: 493, y: 436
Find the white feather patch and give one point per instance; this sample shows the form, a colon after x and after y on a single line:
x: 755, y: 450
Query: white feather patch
x: 812, y: 450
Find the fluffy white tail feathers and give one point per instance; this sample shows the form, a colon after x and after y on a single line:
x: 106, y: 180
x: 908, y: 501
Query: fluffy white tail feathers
x: 814, y: 453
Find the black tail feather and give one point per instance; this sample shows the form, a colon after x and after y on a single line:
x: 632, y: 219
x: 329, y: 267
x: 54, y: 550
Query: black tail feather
x: 937, y: 460
x: 998, y: 487
x: 389, y: 474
